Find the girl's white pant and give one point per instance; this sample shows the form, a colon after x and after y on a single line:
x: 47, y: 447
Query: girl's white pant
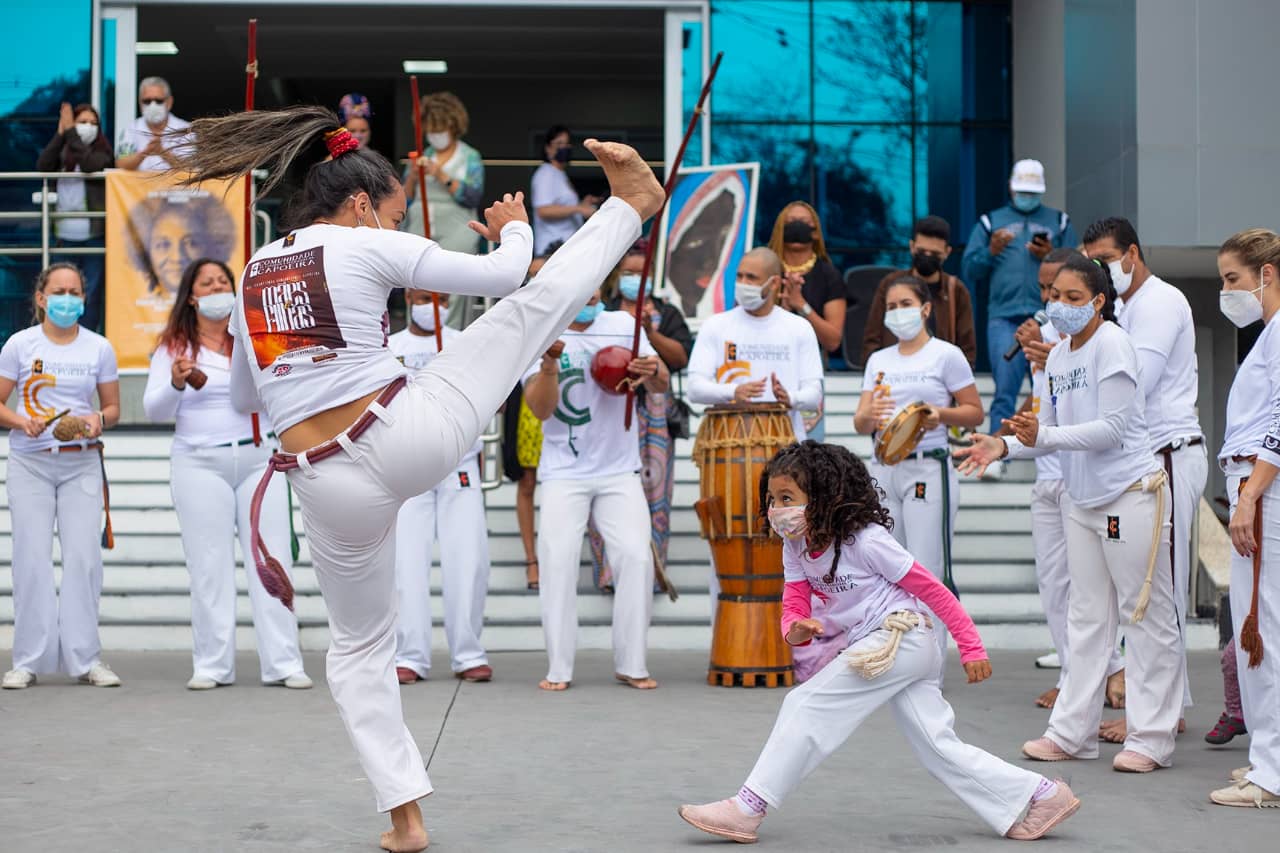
x: 1190, y: 472
x: 1260, y: 688
x: 1050, y: 509
x: 621, y: 513
x: 819, y: 715
x: 913, y: 496
x: 55, y: 629
x: 212, y: 488
x: 350, y: 500
x: 1107, y: 553
x: 452, y: 515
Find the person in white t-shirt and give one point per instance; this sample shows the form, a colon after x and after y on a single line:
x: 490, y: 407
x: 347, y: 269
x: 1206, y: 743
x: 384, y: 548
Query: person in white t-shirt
x: 218, y: 458
x: 56, y: 367
x: 449, y: 514
x: 1249, y: 267
x: 557, y: 210
x: 1117, y: 533
x: 155, y: 141
x: 1158, y: 319
x: 362, y: 433
x: 822, y: 500
x: 922, y: 491
x: 590, y: 467
x: 758, y: 352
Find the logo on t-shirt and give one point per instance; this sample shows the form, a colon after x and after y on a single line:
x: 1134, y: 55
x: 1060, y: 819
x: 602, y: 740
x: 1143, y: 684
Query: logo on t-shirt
x: 288, y: 306
x: 566, y: 412
x: 732, y: 370
x: 464, y: 479
x: 920, y: 491
x: 1113, y: 528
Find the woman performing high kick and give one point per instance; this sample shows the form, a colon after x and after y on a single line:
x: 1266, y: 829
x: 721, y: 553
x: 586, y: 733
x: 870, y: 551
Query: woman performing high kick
x: 362, y: 433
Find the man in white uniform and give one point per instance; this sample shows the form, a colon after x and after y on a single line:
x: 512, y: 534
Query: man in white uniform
x: 450, y: 513
x: 756, y: 352
x: 154, y: 142
x: 1158, y: 319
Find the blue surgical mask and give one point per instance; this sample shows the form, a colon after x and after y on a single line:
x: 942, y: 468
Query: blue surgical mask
x: 1070, y: 319
x: 629, y: 286
x: 589, y: 313
x: 1026, y: 202
x: 64, y: 309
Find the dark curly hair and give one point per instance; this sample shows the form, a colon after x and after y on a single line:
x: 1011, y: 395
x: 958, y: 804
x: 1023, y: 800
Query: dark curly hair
x: 843, y: 496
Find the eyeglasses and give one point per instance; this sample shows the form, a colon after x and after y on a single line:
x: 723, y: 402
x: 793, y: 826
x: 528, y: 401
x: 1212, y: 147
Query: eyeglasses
x: 153, y: 100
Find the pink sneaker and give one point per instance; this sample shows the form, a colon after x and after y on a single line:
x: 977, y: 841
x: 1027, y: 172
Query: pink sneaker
x: 1043, y: 749
x: 1044, y: 815
x: 1128, y: 761
x: 724, y: 819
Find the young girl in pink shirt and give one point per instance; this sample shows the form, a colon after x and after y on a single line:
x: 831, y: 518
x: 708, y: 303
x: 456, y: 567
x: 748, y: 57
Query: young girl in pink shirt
x: 839, y: 548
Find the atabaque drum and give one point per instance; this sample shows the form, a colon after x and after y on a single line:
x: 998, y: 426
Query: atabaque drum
x: 733, y: 445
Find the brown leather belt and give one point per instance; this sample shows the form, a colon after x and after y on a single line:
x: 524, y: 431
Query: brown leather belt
x: 74, y: 448
x: 273, y: 576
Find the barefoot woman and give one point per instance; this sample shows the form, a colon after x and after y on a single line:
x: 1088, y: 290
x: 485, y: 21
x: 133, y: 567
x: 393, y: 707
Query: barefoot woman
x: 310, y: 333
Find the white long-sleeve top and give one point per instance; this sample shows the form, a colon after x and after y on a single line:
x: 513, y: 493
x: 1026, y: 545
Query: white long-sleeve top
x: 1159, y: 322
x: 1253, y: 406
x: 1095, y: 411
x: 736, y: 347
x: 311, y: 325
x: 203, y: 418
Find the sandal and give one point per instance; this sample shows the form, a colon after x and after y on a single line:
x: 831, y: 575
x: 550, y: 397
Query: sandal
x: 531, y: 584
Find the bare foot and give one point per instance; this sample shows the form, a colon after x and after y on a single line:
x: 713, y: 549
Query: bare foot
x: 1115, y: 690
x: 637, y: 683
x: 1047, y: 698
x: 629, y: 178
x: 1113, y: 731
x: 407, y: 834
x: 554, y: 686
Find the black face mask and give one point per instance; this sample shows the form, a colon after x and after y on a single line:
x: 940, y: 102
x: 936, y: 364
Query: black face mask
x: 796, y: 231
x: 564, y: 155
x: 926, y: 264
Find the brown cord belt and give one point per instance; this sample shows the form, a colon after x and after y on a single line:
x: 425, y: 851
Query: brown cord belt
x: 108, y: 537
x: 1166, y: 453
x: 1250, y: 638
x: 270, y: 572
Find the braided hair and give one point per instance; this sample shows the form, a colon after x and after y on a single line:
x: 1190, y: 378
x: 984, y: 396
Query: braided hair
x: 843, y: 496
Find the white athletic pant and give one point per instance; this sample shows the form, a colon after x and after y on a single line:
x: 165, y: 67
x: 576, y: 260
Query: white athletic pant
x: 451, y: 514
x: 56, y: 630
x: 212, y: 488
x: 350, y: 500
x: 913, y: 496
x: 1050, y: 509
x: 1107, y: 553
x: 1260, y: 688
x: 621, y: 513
x: 819, y: 715
x: 1190, y: 472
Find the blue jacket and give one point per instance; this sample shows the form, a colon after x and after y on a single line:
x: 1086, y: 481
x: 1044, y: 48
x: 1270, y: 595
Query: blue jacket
x: 1012, y: 276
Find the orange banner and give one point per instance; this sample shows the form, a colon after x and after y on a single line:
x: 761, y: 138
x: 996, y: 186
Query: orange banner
x: 155, y: 229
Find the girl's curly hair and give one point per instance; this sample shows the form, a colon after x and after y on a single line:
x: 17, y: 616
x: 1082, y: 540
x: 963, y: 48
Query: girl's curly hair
x: 843, y: 496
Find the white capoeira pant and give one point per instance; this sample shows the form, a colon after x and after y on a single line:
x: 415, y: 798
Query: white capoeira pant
x: 212, y: 488
x: 1108, y: 549
x: 350, y: 501
x: 1050, y: 511
x: 1190, y: 466
x: 1259, y: 688
x: 56, y: 629
x: 914, y: 497
x: 820, y: 715
x: 621, y: 512
x: 452, y: 515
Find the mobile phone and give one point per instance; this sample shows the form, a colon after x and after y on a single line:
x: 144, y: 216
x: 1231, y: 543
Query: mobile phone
x: 1040, y: 237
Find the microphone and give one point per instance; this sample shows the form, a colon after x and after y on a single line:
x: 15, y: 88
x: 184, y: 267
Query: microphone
x: 1041, y: 318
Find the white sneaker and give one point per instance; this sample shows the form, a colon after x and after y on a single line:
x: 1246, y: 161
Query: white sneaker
x: 18, y: 679
x: 1049, y: 661
x: 201, y: 682
x: 298, y: 681
x: 100, y: 675
x: 994, y: 472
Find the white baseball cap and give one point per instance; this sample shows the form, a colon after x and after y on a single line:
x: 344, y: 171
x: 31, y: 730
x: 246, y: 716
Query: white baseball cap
x: 1027, y: 177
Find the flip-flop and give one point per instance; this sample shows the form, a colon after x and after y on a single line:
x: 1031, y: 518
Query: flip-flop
x: 531, y: 585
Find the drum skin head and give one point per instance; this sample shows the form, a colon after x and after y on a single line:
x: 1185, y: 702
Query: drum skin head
x: 899, y: 439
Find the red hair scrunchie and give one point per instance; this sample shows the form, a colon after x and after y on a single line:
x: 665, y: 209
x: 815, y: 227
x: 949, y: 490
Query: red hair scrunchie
x: 339, y: 142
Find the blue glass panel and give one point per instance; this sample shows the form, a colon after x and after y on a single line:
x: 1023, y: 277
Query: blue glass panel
x: 863, y: 182
x: 691, y: 79
x: 940, y: 59
x: 765, y: 73
x: 783, y: 151
x: 108, y: 94
x: 863, y: 64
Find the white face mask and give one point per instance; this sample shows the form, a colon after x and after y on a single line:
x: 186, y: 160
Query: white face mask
x: 751, y: 296
x: 87, y: 131
x: 1121, y: 279
x: 424, y: 316
x: 1242, y: 307
x: 905, y: 323
x: 372, y: 210
x: 440, y: 141
x: 216, y: 306
x: 154, y: 113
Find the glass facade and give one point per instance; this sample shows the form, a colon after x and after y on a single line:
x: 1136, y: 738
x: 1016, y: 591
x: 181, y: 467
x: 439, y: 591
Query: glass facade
x: 877, y: 112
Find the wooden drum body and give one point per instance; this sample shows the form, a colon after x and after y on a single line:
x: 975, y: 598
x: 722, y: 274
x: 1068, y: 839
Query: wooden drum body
x: 733, y: 445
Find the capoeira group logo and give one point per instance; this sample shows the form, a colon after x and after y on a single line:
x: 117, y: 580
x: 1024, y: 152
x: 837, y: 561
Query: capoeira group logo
x: 733, y: 369
x: 921, y: 488
x: 288, y: 307
x: 566, y: 412
x: 1113, y: 528
x: 36, y: 382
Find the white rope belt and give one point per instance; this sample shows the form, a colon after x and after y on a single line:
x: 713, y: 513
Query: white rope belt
x: 1154, y: 483
x: 872, y: 663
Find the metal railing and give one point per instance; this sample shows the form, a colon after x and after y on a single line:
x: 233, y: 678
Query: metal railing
x: 47, y: 215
